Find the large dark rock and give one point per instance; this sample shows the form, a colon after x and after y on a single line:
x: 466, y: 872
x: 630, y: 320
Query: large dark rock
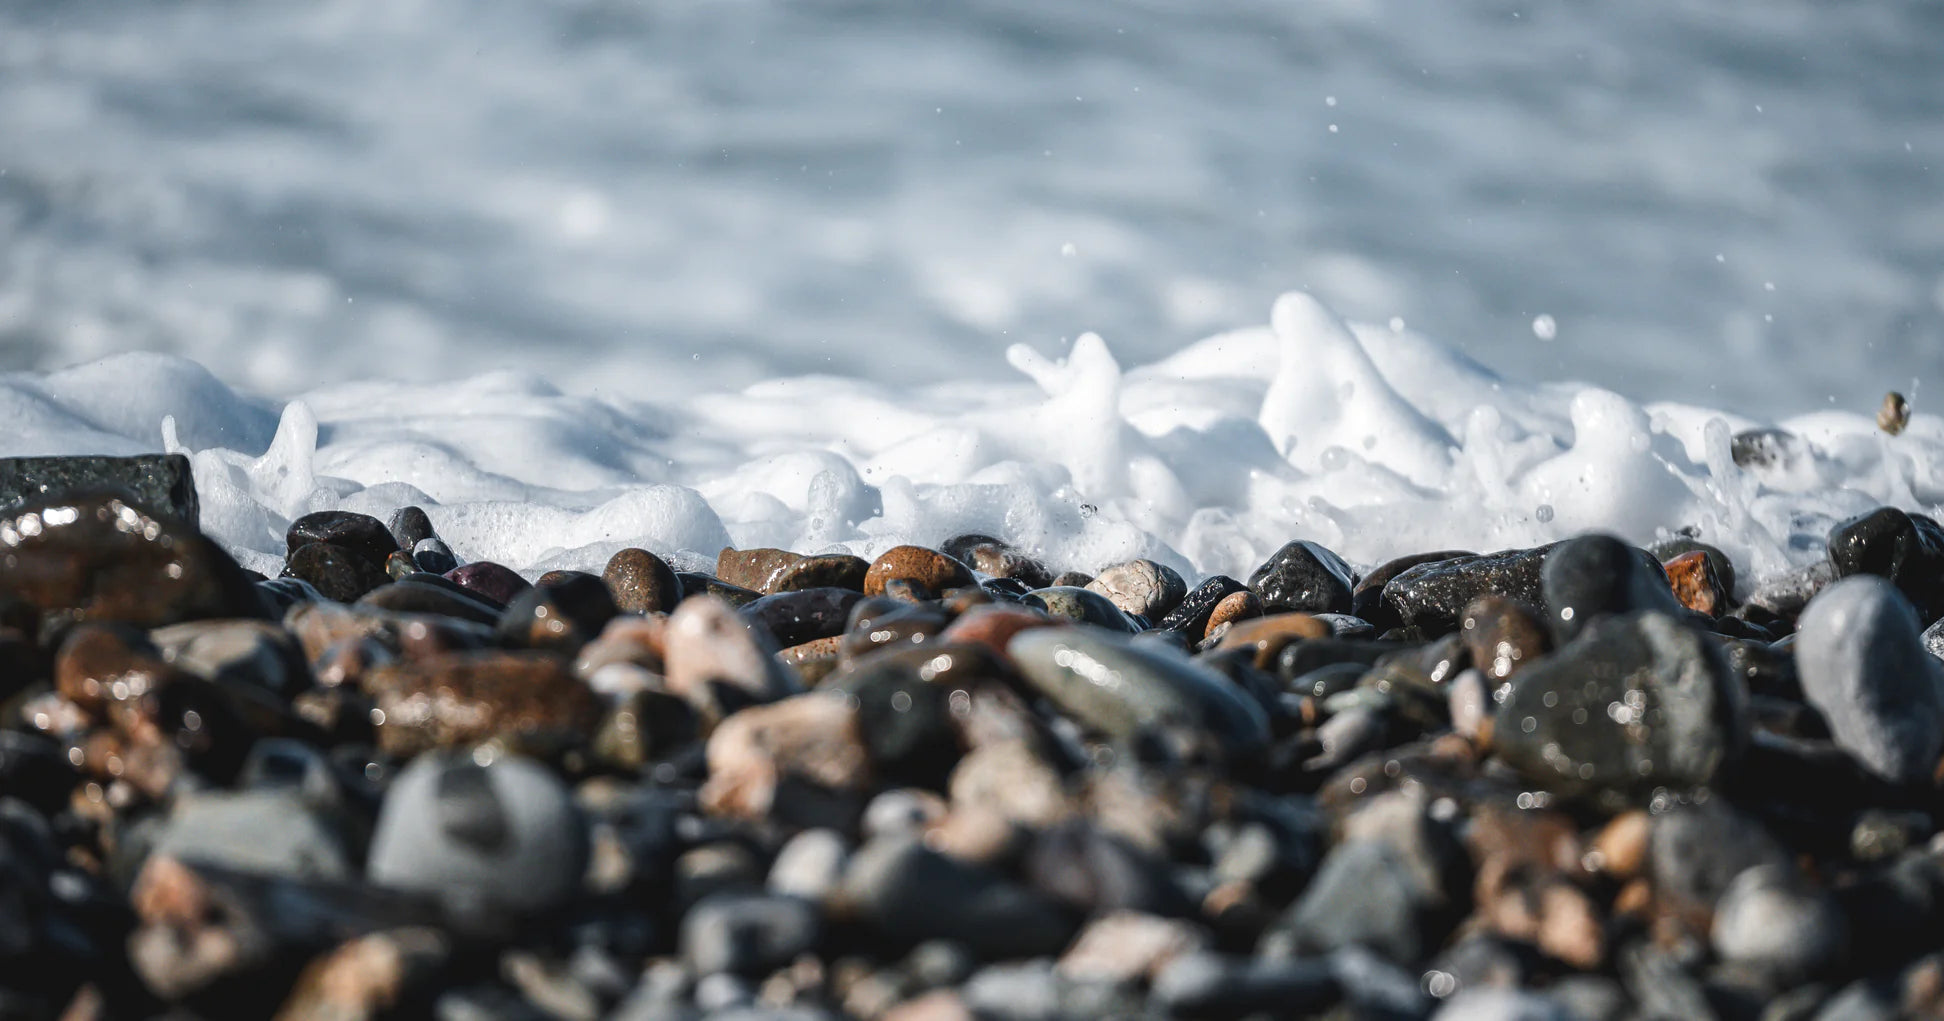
x: 1637, y: 702
x: 162, y: 483
x: 1907, y: 549
x: 1303, y: 577
x: 104, y: 558
x: 1433, y: 595
x: 1594, y: 575
x: 909, y: 893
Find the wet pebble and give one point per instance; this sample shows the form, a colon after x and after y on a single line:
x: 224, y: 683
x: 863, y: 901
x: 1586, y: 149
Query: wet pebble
x: 927, y: 567
x: 1863, y: 665
x: 1082, y: 605
x: 1141, y: 587
x: 641, y: 582
x: 1304, y: 577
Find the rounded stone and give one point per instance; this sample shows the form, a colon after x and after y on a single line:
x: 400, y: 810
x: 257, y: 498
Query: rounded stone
x: 828, y: 570
x: 1303, y: 577
x: 928, y: 567
x: 1080, y: 604
x: 1142, y: 587
x: 641, y: 582
x: 503, y: 837
x: 1863, y: 665
x: 485, y: 578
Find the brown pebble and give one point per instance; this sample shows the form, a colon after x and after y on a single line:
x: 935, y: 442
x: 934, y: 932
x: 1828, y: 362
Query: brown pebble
x: 1071, y: 579
x: 1126, y: 947
x: 1009, y: 778
x: 641, y: 582
x: 1240, y: 606
x: 1893, y: 414
x: 1570, y: 927
x: 928, y: 567
x: 827, y: 570
x: 104, y: 559
x: 996, y: 559
x: 640, y: 641
x: 1695, y: 584
x: 1502, y: 635
x: 365, y: 978
x: 1621, y: 846
x: 528, y: 701
x: 1267, y: 636
x: 994, y: 625
x: 816, y: 659
x: 976, y: 835
x: 100, y: 663
x: 937, y: 1005
x: 751, y: 568
x: 1635, y: 899
x: 811, y: 738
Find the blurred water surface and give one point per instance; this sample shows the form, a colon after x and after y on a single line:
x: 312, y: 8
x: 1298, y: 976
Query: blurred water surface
x: 1736, y: 205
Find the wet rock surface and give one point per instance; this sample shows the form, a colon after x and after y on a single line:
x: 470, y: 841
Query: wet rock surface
x: 825, y: 787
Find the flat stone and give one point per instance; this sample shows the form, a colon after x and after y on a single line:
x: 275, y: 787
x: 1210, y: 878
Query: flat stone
x: 1433, y: 595
x: 1304, y: 577
x: 1637, y: 702
x: 236, y: 651
x: 1265, y: 637
x: 1122, y: 689
x: 163, y: 483
x: 996, y: 559
x: 641, y: 582
x: 1863, y: 665
x: 695, y: 585
x: 1141, y: 587
x: 424, y: 593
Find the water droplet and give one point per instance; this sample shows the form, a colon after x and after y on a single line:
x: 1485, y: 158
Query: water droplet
x: 1544, y: 513
x: 1545, y: 327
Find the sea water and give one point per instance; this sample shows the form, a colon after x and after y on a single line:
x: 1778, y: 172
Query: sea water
x: 1372, y: 440
x: 1733, y: 205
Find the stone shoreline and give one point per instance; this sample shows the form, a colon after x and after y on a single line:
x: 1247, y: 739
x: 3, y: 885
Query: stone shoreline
x: 1584, y: 780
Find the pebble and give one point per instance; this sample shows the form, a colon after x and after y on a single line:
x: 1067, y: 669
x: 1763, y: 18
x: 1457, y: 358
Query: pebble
x: 929, y: 568
x: 1697, y: 585
x: 798, y: 755
x: 1592, y: 575
x: 830, y: 570
x: 985, y: 810
x: 1082, y: 605
x: 748, y: 934
x: 718, y: 663
x: 641, y: 582
x: 526, y: 701
x: 804, y: 615
x: 1304, y: 577
x: 1123, y: 689
x: 1502, y: 636
x: 161, y: 483
x: 910, y: 893
x: 102, y: 558
x: 1863, y: 665
x: 1433, y: 595
x: 1234, y: 607
x: 1141, y: 587
x: 1679, y: 546
x: 1774, y: 922
x: 409, y: 526
x: 503, y: 837
x: 1905, y: 549
x: 1637, y: 702
x: 751, y: 568
x: 996, y: 559
x: 492, y: 581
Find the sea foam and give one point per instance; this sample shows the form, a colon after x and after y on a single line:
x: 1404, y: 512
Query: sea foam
x: 1373, y: 441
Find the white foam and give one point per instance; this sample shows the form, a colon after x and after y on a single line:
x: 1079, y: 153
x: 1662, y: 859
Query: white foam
x: 1372, y: 441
